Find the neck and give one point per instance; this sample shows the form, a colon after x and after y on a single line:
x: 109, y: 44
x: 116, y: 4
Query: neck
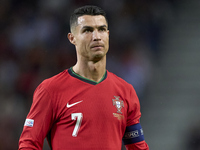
x: 91, y: 70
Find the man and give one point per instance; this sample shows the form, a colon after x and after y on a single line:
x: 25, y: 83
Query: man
x: 86, y: 106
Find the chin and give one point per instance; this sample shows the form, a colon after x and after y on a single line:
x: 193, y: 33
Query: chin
x: 98, y: 57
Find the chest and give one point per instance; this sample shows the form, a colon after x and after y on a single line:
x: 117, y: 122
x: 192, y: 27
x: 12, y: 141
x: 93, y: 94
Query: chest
x: 98, y: 107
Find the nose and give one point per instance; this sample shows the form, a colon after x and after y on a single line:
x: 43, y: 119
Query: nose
x: 96, y: 35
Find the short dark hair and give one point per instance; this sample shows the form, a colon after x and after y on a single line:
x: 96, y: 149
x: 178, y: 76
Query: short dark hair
x: 86, y: 10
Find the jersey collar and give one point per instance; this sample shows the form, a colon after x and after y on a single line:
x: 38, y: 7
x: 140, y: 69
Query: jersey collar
x: 72, y: 73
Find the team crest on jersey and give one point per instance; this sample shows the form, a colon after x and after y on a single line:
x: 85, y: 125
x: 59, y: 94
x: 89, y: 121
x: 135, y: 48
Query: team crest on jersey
x: 118, y: 104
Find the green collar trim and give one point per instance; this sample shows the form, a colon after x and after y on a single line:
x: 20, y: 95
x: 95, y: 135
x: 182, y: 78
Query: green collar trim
x: 72, y: 73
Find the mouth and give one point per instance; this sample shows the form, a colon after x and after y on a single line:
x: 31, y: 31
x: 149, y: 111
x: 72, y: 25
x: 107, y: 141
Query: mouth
x: 97, y: 46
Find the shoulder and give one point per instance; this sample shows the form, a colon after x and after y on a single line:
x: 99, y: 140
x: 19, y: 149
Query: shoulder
x: 122, y: 84
x: 55, y: 81
x: 118, y: 80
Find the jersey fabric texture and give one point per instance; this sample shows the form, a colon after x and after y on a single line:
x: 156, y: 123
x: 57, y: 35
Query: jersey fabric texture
x: 73, y: 113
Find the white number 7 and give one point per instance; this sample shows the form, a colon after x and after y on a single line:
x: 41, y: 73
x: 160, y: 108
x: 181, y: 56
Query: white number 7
x: 78, y: 117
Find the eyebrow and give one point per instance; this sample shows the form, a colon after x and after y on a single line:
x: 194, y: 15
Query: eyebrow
x: 90, y: 27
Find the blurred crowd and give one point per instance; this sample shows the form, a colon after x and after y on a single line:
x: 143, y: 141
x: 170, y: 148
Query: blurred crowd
x: 34, y: 46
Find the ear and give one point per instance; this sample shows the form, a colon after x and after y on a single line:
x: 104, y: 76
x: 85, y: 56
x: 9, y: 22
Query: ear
x: 108, y: 32
x: 71, y: 38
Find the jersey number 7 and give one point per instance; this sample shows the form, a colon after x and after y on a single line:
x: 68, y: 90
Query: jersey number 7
x: 78, y: 117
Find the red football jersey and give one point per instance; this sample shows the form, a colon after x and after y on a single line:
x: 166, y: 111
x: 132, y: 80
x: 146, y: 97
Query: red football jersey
x: 76, y: 113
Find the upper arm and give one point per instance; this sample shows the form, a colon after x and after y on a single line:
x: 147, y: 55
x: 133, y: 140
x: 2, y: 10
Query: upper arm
x: 133, y: 137
x: 137, y: 146
x: 41, y: 119
x: 133, y: 112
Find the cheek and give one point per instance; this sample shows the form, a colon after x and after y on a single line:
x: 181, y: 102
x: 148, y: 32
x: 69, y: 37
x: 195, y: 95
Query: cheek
x: 107, y: 42
x: 84, y: 40
x: 81, y: 42
x: 83, y: 46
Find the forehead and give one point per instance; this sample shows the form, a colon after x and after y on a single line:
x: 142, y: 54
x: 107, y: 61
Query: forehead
x: 88, y: 20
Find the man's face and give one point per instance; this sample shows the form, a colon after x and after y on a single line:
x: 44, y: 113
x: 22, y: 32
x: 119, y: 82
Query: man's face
x: 91, y: 37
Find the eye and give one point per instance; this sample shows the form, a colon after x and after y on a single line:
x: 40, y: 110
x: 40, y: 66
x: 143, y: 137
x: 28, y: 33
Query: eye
x: 102, y: 29
x: 87, y: 30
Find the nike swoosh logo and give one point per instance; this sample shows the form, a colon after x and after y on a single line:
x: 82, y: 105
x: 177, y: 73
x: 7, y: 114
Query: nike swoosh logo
x: 70, y: 105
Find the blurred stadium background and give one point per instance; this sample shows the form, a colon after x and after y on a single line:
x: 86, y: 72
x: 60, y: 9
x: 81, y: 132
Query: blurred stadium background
x: 154, y: 45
